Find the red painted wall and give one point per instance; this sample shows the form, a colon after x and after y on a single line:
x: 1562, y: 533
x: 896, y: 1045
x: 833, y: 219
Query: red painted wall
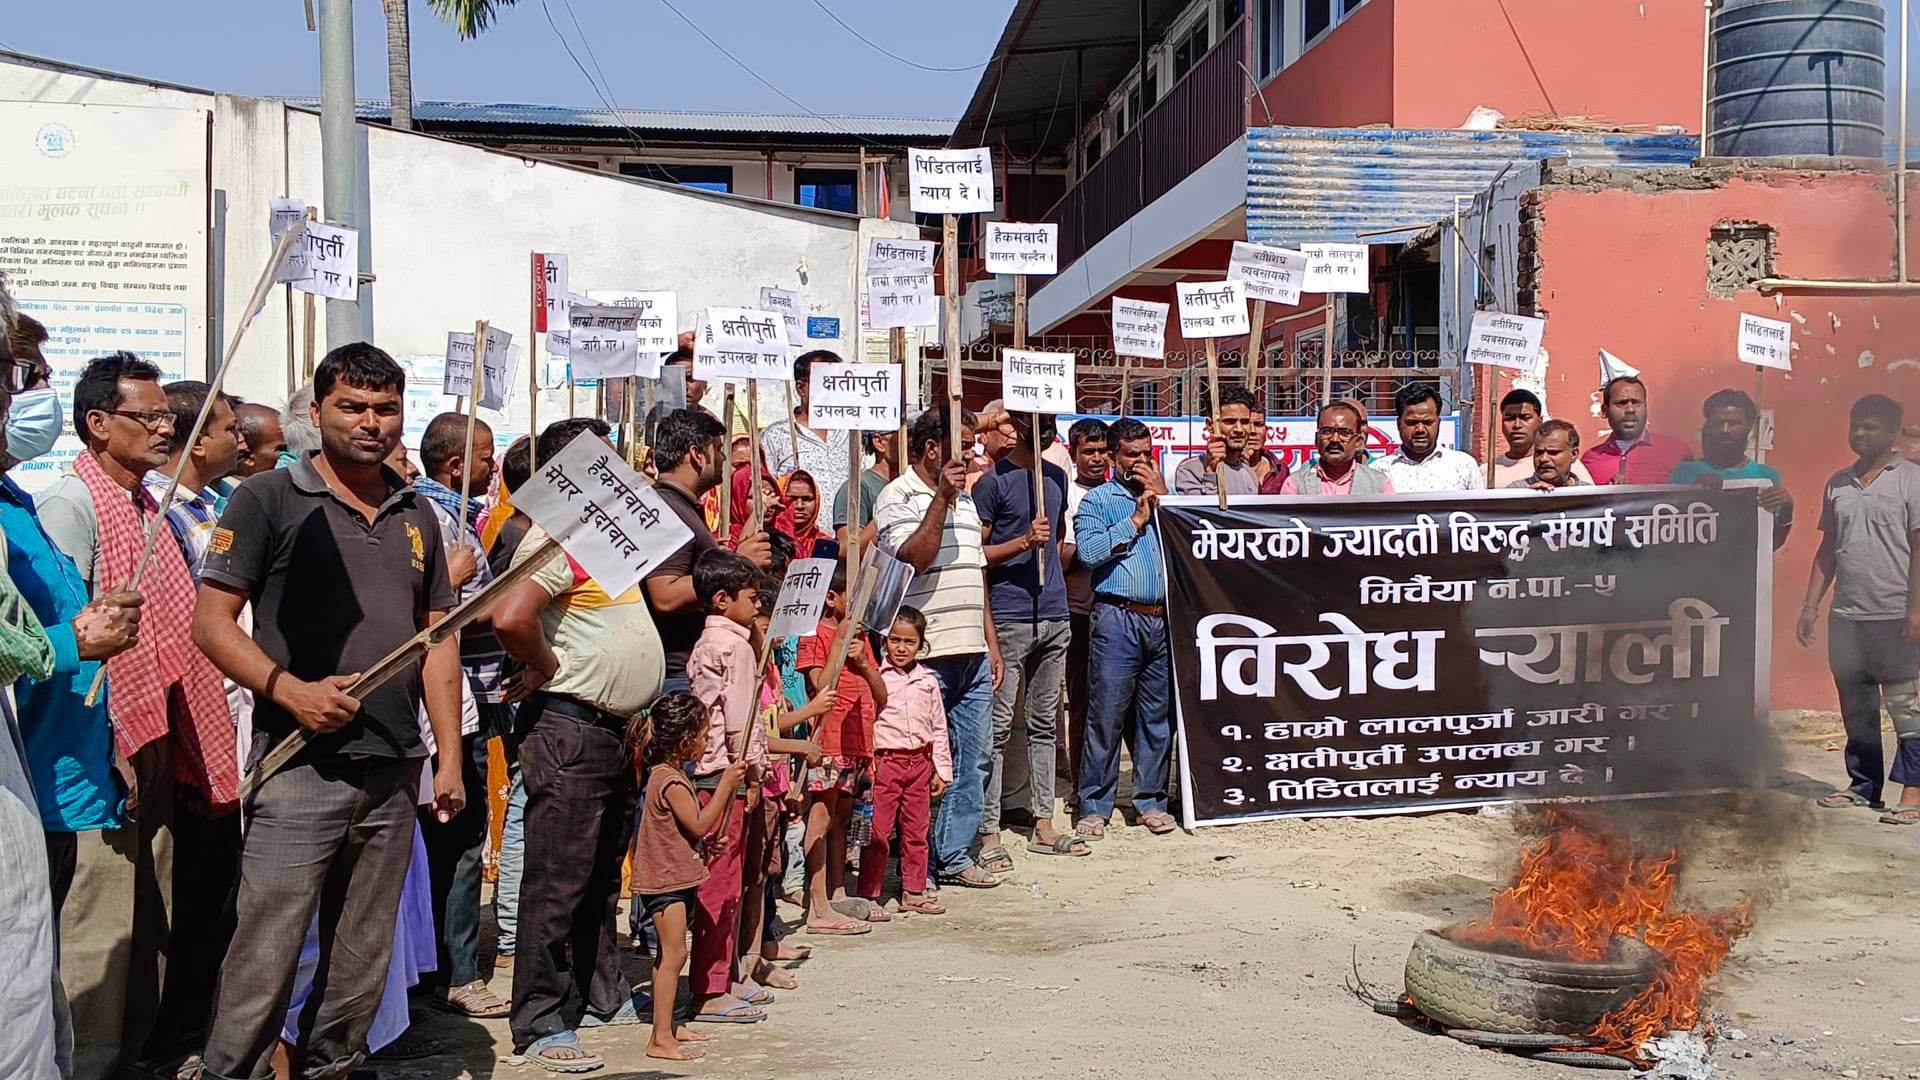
x: 1625, y: 61
x: 1345, y: 81
x: 1627, y: 271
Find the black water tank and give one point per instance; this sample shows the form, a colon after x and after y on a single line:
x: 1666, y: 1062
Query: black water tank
x: 1798, y: 77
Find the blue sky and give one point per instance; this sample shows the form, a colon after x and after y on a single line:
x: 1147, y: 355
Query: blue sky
x: 651, y: 59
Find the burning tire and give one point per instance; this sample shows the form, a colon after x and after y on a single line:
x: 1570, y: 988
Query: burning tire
x: 1464, y: 986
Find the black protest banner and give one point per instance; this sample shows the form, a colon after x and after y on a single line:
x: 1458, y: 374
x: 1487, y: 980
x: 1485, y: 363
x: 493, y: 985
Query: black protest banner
x: 1386, y: 653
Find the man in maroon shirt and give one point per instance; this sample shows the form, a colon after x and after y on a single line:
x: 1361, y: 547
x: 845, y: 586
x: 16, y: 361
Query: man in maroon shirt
x: 1631, y: 454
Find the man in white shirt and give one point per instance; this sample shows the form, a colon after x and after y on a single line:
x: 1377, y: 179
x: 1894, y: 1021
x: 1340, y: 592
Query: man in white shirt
x: 1422, y: 464
x: 786, y: 445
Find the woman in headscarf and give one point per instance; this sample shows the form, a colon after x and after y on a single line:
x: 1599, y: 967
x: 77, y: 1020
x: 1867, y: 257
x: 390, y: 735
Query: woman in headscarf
x: 773, y: 505
x: 802, y: 518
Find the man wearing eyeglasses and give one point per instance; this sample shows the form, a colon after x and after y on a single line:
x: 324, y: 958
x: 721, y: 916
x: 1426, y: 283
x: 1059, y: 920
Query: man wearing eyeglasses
x: 1336, y: 469
x: 169, y: 711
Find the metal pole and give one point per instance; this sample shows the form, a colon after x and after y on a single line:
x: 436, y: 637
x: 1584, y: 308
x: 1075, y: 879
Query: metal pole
x: 1706, y: 70
x: 1900, y: 169
x: 339, y: 150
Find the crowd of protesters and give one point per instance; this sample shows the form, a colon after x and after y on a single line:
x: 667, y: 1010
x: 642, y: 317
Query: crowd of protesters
x: 648, y: 741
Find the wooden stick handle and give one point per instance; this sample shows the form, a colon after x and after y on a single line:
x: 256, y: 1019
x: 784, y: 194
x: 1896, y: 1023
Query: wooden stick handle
x: 402, y: 659
x: 260, y: 289
x: 473, y: 413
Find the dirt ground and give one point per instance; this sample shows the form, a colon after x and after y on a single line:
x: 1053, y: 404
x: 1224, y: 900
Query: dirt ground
x: 1227, y: 951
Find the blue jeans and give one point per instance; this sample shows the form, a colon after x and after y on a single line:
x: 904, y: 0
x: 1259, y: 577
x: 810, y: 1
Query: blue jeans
x: 1128, y: 670
x: 513, y: 860
x: 966, y: 688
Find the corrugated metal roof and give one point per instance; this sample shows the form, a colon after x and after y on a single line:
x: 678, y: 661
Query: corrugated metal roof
x: 1307, y: 185
x: 508, y: 114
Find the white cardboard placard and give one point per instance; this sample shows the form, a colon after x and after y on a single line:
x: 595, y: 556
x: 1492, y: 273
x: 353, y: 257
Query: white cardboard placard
x: 1335, y: 268
x: 854, y: 397
x: 1038, y: 382
x: 654, y: 333
x: 1211, y: 309
x: 901, y: 297
x: 456, y: 379
x: 803, y: 594
x: 1508, y: 341
x: 603, y: 514
x: 603, y: 341
x: 333, y: 262
x: 790, y: 306
x: 886, y: 253
x: 1269, y: 273
x: 1766, y: 342
x: 551, y: 286
x: 1017, y: 248
x: 739, y: 344
x: 951, y: 181
x: 284, y: 214
x: 1140, y: 328
x: 497, y: 368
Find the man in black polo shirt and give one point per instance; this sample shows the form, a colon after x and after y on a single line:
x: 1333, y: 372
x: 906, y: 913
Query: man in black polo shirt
x: 690, y: 459
x: 342, y: 563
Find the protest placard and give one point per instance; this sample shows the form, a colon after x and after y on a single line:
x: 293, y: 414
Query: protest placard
x: 602, y: 342
x: 604, y: 515
x: 901, y: 298
x: 803, y: 594
x: 738, y: 344
x: 456, y: 379
x: 854, y: 397
x: 655, y: 332
x: 1016, y: 248
x: 1766, y: 342
x: 1269, y: 273
x: 789, y: 305
x: 1039, y: 382
x: 1508, y: 341
x: 890, y: 578
x: 550, y: 296
x: 884, y: 253
x: 1139, y: 328
x: 951, y: 181
x: 497, y: 368
x: 333, y: 262
x: 1211, y: 309
x: 1335, y: 268
x: 284, y: 214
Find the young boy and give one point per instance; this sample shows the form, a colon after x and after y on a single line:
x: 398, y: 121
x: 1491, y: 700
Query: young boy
x: 845, y: 738
x: 724, y: 670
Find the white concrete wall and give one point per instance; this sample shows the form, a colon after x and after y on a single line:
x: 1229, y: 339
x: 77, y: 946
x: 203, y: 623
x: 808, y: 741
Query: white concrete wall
x: 448, y: 229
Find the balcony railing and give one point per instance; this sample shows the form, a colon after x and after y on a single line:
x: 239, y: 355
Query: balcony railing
x: 1203, y: 113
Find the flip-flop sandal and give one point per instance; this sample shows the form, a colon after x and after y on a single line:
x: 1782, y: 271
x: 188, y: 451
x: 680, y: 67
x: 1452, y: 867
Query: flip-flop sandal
x: 1840, y: 800
x: 924, y: 906
x: 756, y: 994
x: 973, y: 877
x: 737, y: 1013
x: 1159, y: 824
x: 1090, y: 829
x: 861, y: 908
x: 1064, y: 844
x: 637, y: 1009
x: 536, y: 1053
x: 843, y: 929
x: 1906, y: 815
x: 995, y: 860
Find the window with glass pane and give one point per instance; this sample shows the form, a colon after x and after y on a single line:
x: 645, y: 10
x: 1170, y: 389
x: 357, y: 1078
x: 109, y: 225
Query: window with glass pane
x: 1271, y: 23
x: 1230, y: 12
x: 827, y: 189
x: 1133, y: 107
x: 1315, y: 17
x: 1093, y: 149
x: 705, y: 177
x: 1152, y: 84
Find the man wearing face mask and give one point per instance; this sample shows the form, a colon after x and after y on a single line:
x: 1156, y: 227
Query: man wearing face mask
x: 64, y: 744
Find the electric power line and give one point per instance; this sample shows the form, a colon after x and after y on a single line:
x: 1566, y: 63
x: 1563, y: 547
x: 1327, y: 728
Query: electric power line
x: 882, y: 50
x: 606, y: 98
x: 762, y: 80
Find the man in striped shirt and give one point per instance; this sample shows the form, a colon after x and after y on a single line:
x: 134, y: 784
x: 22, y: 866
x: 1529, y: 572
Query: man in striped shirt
x: 213, y: 457
x: 926, y: 519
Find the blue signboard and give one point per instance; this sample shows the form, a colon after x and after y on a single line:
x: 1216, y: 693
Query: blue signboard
x: 823, y: 326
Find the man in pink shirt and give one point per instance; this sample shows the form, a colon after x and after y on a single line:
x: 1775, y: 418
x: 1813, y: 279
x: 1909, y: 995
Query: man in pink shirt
x: 1631, y: 454
x: 1336, y: 469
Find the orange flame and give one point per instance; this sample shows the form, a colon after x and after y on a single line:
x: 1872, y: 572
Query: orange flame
x: 1583, y: 883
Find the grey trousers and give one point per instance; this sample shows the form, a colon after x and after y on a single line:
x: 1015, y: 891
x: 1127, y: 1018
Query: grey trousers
x: 334, y: 837
x: 1033, y: 658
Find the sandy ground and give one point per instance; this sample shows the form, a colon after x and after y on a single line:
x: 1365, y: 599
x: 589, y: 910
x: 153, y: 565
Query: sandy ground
x: 1224, y: 953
